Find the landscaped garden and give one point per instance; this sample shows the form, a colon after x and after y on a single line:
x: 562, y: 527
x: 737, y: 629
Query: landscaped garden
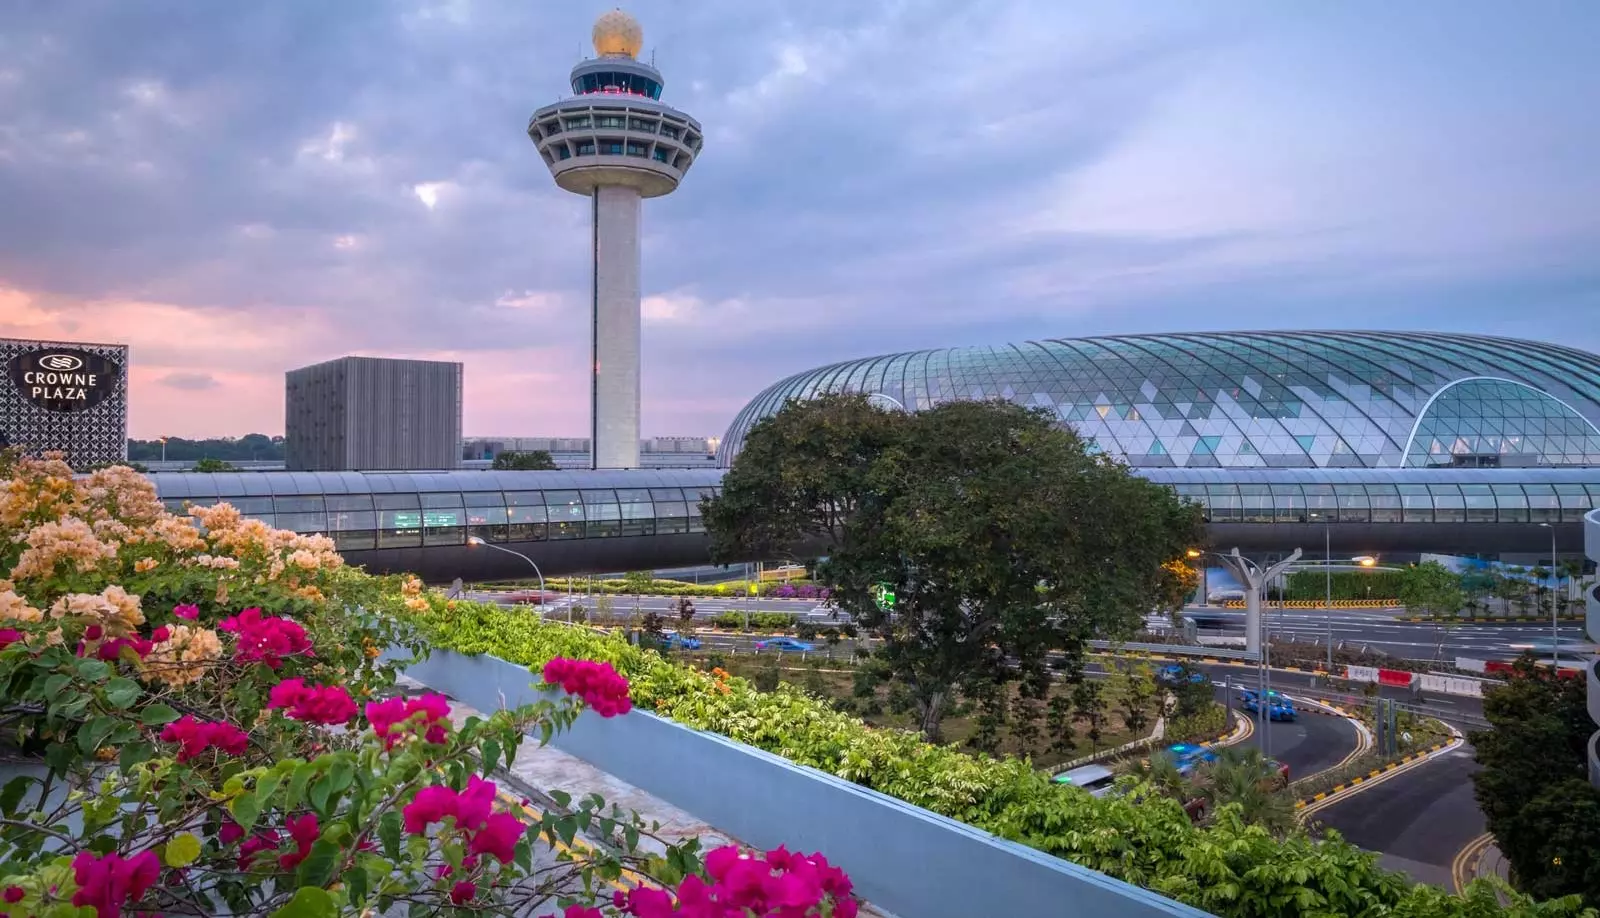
x: 200, y: 720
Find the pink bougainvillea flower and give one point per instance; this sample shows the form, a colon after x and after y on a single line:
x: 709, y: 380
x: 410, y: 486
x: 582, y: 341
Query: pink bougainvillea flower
x: 498, y: 837
x: 160, y: 634
x: 431, y: 713
x: 229, y: 832
x: 107, y: 883
x: 266, y: 639
x: 189, y: 611
x: 598, y: 684
x: 14, y: 894
x: 195, y: 737
x: 462, y: 893
x: 9, y: 636
x: 431, y: 804
x: 581, y: 911
x: 303, y: 831
x: 315, y: 704
x: 94, y: 633
x: 488, y: 833
x: 779, y: 883
x: 256, y: 844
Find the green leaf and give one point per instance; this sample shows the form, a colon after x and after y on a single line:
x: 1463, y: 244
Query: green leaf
x: 182, y: 850
x: 630, y: 836
x: 94, y: 731
x: 93, y: 670
x: 491, y: 756
x: 12, y: 794
x: 158, y: 714
x: 317, y: 868
x: 134, y: 753
x: 266, y: 787
x: 561, y: 797
x: 303, y: 774
x: 340, y: 776
x: 122, y: 692
x: 309, y: 902
x: 389, y: 834
x: 355, y: 884
x: 246, y: 809
x: 52, y: 687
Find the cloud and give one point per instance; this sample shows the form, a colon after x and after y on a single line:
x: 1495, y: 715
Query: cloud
x: 192, y: 382
x: 238, y: 190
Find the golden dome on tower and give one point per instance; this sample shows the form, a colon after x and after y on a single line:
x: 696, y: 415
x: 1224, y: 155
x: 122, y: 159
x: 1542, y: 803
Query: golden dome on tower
x: 616, y: 34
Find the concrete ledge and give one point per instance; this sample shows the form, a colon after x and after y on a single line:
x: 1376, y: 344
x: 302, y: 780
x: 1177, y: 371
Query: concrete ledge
x: 905, y: 859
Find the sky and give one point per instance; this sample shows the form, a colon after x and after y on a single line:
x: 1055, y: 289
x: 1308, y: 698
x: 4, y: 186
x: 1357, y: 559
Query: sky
x: 235, y: 190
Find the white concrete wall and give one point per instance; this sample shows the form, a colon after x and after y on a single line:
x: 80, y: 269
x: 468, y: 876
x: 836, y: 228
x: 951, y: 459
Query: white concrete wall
x: 615, y: 327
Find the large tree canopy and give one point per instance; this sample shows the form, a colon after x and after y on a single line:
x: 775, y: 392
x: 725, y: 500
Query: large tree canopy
x: 1533, y: 786
x: 1001, y: 535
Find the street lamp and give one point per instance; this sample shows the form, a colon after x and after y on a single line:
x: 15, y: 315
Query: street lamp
x: 475, y: 542
x: 1555, y: 626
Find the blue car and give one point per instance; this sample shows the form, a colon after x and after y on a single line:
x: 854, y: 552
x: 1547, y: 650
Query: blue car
x: 1172, y: 674
x: 1188, y: 757
x: 783, y: 645
x: 1279, y: 707
x: 676, y: 641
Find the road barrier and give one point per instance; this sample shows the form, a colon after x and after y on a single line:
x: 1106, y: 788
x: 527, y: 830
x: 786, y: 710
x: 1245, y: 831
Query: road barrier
x: 1319, y: 604
x: 1451, y: 685
x: 1178, y: 650
x: 1393, y: 677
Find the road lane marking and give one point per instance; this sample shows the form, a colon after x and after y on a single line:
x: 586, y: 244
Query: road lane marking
x: 1464, y: 865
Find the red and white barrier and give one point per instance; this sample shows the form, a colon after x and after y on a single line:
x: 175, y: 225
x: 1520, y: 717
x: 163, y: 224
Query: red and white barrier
x: 1361, y: 673
x: 1395, y: 677
x: 1452, y: 685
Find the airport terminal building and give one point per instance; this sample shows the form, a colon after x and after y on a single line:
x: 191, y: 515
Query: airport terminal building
x: 1373, y: 442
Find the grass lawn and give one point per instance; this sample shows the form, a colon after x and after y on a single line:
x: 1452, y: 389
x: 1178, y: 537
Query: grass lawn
x: 835, y: 681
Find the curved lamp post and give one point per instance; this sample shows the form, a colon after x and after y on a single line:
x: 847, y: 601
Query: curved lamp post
x: 475, y: 542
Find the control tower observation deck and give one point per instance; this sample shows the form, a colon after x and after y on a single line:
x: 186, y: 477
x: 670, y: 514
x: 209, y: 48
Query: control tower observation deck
x: 615, y: 142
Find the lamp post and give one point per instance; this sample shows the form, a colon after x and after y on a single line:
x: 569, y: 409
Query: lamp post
x: 1555, y: 622
x: 1327, y: 607
x: 475, y: 542
x: 163, y: 449
x: 1254, y: 578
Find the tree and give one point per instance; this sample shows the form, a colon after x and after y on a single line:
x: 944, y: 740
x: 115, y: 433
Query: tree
x: 533, y: 460
x: 212, y: 465
x: 1025, y: 726
x: 1089, y: 705
x: 1058, y: 723
x: 1431, y: 587
x: 1138, y: 694
x: 1245, y: 778
x: 1179, y: 582
x: 685, y: 615
x: 999, y: 533
x: 990, y: 720
x: 1535, y: 751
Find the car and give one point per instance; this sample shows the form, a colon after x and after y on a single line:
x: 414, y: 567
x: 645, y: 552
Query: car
x: 1172, y: 674
x: 783, y: 645
x: 1279, y: 707
x: 1098, y: 780
x: 1188, y: 756
x: 676, y: 641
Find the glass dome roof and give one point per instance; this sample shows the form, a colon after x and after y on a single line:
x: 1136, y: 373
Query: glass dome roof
x: 1259, y: 399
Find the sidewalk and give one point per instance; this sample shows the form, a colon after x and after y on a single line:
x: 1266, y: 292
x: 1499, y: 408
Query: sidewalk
x: 1491, y: 863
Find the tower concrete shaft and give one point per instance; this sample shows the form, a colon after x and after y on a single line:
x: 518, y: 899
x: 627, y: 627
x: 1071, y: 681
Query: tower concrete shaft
x: 616, y: 143
x: 614, y: 329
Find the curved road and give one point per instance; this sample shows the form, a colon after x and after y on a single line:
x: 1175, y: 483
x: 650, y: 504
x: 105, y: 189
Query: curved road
x: 1313, y: 743
x: 1417, y: 820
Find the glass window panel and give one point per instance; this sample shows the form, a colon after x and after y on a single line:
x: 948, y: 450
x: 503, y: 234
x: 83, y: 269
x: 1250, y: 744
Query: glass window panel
x: 250, y: 506
x: 1511, y: 502
x: 1480, y: 503
x: 486, y: 516
x: 1448, y: 504
x: 1257, y: 503
x: 566, y: 514
x: 179, y: 506
x: 487, y: 532
x: 525, y: 514
x: 666, y: 494
x: 1321, y: 504
x: 633, y: 495
x: 524, y: 530
x: 399, y: 528
x: 525, y: 498
x: 1543, y: 505
x: 484, y: 499
x: 1417, y: 502
x: 1385, y: 502
x: 441, y: 499
x: 696, y: 524
x: 1353, y: 504
x: 349, y: 502
x: 396, y: 501
x: 352, y: 520
x: 672, y: 525
x: 355, y: 540
x: 1224, y: 502
x: 303, y: 522
x: 637, y: 525
x: 670, y: 509
x: 605, y: 528
x: 443, y: 526
x: 1574, y: 502
x: 299, y: 504
x: 639, y: 511
x: 1289, y: 503
x: 603, y: 496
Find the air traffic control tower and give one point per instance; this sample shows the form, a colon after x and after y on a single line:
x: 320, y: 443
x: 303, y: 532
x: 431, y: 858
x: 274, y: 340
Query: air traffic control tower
x: 616, y: 143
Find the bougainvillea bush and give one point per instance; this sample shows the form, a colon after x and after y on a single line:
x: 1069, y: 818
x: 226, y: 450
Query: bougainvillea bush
x: 201, y: 719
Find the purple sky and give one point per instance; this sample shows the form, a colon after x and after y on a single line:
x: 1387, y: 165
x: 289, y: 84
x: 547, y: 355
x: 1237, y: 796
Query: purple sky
x: 238, y: 189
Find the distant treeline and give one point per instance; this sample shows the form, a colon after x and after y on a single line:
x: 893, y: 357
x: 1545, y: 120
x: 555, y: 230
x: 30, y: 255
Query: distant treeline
x: 250, y: 447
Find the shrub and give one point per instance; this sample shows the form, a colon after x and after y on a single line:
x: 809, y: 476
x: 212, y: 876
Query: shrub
x: 1224, y: 867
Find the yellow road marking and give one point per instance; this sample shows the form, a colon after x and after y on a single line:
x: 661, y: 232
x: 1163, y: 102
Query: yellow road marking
x: 1465, y: 863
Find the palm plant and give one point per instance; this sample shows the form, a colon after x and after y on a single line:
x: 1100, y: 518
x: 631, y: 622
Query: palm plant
x: 1244, y: 777
x: 1160, y: 771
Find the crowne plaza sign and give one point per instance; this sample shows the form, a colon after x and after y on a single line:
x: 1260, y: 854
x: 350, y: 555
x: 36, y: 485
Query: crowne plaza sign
x: 64, y: 380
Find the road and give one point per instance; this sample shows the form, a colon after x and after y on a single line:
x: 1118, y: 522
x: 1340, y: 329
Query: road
x: 1418, y: 819
x: 1382, y: 631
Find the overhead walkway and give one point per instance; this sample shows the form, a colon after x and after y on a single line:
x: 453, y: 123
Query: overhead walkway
x: 649, y: 519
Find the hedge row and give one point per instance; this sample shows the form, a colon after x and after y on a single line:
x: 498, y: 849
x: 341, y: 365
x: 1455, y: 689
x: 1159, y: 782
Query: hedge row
x: 1225, y: 867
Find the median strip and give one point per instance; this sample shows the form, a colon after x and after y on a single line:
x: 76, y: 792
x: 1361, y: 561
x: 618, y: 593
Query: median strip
x: 1308, y: 805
